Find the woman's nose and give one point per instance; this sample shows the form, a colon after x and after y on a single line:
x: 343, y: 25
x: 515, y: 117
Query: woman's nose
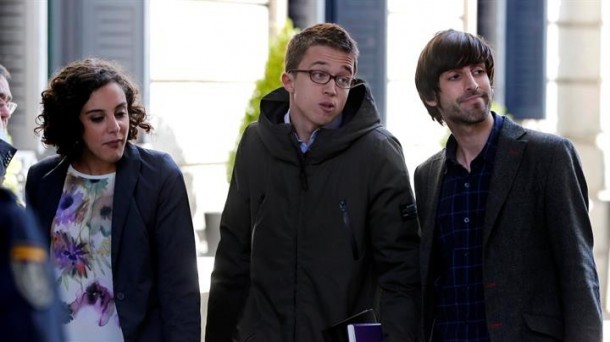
x: 113, y: 124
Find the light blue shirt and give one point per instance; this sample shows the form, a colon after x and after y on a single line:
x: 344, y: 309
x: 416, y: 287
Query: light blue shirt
x: 336, y: 123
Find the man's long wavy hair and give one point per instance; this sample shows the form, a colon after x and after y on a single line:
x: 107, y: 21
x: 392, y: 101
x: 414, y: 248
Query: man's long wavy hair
x: 66, y: 95
x: 449, y: 50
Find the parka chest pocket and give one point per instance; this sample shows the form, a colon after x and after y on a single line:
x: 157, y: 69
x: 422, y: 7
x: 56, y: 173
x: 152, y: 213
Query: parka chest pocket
x: 408, y: 211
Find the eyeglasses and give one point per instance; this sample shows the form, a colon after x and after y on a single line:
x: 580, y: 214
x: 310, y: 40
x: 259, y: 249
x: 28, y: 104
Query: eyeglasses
x: 10, y: 106
x: 322, y: 77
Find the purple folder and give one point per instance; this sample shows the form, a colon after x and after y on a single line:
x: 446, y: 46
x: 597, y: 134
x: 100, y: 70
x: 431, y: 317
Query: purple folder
x: 364, y: 332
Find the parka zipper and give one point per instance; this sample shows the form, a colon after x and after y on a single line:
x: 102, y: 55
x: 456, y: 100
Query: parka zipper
x: 348, y: 227
x: 302, y: 171
x: 261, y: 199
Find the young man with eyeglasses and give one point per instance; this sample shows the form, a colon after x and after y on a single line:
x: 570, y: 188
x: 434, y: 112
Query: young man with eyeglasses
x: 7, y: 108
x: 320, y: 222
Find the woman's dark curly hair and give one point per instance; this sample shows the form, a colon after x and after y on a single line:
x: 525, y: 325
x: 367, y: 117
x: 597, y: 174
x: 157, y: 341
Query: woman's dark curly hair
x: 66, y: 95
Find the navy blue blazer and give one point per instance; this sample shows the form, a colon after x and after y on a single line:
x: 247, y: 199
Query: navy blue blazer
x: 154, y: 264
x: 538, y: 268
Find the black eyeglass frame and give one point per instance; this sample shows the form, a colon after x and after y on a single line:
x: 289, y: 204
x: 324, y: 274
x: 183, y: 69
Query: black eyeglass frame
x: 330, y: 77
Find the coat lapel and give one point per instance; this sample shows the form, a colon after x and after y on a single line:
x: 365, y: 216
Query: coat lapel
x: 432, y: 186
x: 126, y: 179
x: 51, y: 188
x: 507, y: 161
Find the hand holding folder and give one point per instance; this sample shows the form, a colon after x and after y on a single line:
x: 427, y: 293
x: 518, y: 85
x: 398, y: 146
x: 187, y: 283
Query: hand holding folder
x: 339, y: 332
x: 364, y: 332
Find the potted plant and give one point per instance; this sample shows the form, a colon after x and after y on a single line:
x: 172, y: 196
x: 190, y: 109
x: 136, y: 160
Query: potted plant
x: 269, y: 82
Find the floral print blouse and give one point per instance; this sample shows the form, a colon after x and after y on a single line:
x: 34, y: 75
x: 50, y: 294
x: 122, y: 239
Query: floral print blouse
x: 80, y: 247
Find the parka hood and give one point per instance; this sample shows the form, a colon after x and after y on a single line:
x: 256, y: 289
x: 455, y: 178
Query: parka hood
x: 360, y: 116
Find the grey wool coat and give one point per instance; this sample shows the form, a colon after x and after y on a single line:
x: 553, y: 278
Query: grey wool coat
x: 539, y: 275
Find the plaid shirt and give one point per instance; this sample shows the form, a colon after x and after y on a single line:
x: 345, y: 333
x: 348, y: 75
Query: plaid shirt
x: 458, y: 245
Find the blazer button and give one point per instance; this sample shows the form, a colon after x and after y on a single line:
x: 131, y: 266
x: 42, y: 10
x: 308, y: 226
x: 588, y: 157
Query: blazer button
x: 495, y: 325
x: 120, y: 296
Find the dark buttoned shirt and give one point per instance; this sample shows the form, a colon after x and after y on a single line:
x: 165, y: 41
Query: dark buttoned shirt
x: 458, y: 245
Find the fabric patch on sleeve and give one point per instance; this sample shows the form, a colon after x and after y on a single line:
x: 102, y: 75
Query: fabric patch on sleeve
x: 408, y: 211
x: 28, y: 264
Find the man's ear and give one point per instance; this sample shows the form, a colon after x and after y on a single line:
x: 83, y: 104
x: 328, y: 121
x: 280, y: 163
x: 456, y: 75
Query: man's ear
x: 432, y: 102
x: 288, y: 82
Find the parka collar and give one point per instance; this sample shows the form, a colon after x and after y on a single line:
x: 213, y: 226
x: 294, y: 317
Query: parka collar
x: 360, y: 116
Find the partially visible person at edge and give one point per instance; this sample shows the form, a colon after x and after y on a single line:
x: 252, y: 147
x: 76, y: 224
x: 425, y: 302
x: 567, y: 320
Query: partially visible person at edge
x: 506, y: 251
x: 118, y: 215
x: 320, y: 221
x: 7, y: 108
x: 29, y: 306
x: 30, y: 310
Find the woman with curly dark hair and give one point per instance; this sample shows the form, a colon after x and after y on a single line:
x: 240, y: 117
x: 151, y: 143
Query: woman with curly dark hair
x: 117, y: 215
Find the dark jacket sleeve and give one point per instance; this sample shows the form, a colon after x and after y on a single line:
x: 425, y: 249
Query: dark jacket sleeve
x: 395, y: 238
x: 174, y: 241
x: 569, y: 229
x: 28, y: 294
x: 231, y: 276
